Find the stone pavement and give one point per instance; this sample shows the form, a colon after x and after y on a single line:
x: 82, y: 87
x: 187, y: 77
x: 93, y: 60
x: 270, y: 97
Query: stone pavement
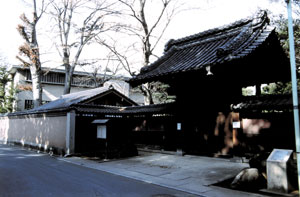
x: 193, y: 174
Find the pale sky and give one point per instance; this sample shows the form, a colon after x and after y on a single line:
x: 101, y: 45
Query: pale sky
x: 216, y: 13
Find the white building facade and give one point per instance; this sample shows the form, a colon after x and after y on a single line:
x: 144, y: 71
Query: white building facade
x: 53, y: 85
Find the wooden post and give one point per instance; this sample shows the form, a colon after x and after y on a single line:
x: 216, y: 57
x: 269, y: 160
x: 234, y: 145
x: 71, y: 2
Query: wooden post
x: 106, y: 150
x: 70, y: 132
x: 236, y: 124
x: 258, y: 90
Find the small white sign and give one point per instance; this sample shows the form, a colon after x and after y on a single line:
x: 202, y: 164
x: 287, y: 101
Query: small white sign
x: 178, y: 126
x: 236, y: 125
x: 101, y: 131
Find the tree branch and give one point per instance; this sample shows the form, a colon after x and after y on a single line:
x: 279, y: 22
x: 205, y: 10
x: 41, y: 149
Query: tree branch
x: 26, y: 64
x: 134, y: 14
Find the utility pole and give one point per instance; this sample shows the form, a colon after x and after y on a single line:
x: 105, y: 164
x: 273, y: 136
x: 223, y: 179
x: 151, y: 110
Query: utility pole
x: 294, y: 84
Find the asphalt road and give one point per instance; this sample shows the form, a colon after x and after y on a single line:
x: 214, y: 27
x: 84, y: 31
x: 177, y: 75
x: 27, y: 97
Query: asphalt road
x: 27, y: 173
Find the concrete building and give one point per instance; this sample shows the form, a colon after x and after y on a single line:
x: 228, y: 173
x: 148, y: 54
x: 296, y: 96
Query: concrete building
x: 53, y: 85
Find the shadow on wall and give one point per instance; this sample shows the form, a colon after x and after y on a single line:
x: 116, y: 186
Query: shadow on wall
x: 254, y: 126
x: 213, y: 134
x: 254, y: 136
x: 268, y: 133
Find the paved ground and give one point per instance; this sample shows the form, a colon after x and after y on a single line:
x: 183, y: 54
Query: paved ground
x: 191, y: 174
x: 26, y: 173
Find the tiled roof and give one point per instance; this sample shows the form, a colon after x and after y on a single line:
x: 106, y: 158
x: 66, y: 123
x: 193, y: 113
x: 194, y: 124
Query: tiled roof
x: 264, y: 102
x: 166, y: 108
x: 64, y: 102
x: 215, y: 46
x: 14, y: 68
x: 67, y: 100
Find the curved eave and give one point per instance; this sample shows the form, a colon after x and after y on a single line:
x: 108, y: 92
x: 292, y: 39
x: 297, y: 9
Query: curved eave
x: 198, y: 55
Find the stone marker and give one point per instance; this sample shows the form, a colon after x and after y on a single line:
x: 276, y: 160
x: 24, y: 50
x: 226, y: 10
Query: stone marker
x: 277, y: 170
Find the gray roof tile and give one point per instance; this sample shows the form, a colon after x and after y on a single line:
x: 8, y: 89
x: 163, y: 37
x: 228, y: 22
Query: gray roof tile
x: 67, y: 100
x: 264, y: 102
x: 211, y: 47
x: 166, y: 108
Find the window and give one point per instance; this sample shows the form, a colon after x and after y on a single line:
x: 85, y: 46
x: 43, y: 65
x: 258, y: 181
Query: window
x: 59, y: 78
x: 29, y: 104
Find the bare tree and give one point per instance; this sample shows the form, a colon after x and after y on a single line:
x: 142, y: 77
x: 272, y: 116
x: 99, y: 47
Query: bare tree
x: 66, y: 14
x: 31, y: 51
x: 149, y: 33
x: 99, y: 74
x: 121, y: 58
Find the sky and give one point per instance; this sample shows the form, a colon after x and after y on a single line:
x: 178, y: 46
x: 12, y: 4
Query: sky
x: 209, y: 14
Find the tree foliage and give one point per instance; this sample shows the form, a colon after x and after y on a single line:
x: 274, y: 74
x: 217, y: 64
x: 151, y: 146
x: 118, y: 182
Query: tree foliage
x: 160, y: 92
x: 282, y: 31
x: 7, y: 92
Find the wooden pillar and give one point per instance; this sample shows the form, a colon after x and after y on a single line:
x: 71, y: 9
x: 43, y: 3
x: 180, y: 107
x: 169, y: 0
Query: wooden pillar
x: 70, y: 132
x: 257, y: 90
x: 236, y: 124
x: 179, y: 138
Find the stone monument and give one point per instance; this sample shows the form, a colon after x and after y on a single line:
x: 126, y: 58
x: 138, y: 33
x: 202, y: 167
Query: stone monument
x: 277, y: 170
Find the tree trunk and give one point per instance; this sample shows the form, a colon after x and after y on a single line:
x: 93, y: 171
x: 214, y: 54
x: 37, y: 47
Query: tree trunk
x: 68, y: 80
x: 148, y: 99
x: 68, y: 70
x: 36, y: 86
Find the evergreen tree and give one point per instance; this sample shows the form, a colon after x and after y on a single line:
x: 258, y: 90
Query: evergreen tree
x: 282, y: 31
x: 7, y: 94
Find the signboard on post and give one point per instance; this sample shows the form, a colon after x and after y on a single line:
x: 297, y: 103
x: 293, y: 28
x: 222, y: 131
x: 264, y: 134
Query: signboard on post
x: 101, y: 131
x: 178, y: 126
x: 101, y: 128
x: 236, y: 125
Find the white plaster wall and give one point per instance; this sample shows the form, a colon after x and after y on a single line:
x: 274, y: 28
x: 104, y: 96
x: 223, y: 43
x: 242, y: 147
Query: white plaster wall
x: 125, y: 89
x: 19, y: 78
x: 137, y: 97
x: 37, y: 131
x: 50, y: 93
x: 121, y: 86
x: 21, y: 97
x: 4, y: 127
x: 54, y: 91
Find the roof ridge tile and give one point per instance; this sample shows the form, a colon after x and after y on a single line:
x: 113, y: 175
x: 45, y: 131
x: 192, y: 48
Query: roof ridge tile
x: 208, y: 32
x: 211, y: 47
x: 260, y: 18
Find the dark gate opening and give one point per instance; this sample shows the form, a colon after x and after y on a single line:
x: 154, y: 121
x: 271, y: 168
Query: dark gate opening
x: 117, y: 142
